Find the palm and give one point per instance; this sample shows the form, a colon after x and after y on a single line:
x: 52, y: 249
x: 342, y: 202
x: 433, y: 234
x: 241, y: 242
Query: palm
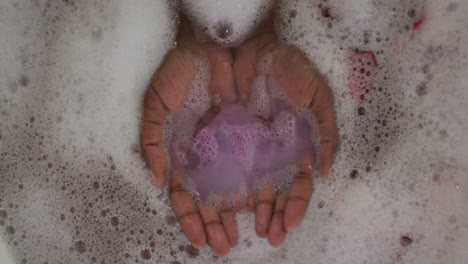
x: 278, y: 214
x: 166, y: 94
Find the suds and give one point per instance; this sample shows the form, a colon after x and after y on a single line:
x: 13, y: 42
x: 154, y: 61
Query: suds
x: 238, y: 147
x: 226, y: 22
x: 73, y: 186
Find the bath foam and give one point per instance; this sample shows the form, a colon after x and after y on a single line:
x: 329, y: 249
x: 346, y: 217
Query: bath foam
x: 71, y: 196
x: 237, y: 147
x: 240, y: 147
x: 226, y: 22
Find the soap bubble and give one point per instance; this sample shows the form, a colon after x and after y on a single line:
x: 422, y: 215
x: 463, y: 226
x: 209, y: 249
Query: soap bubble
x: 72, y: 81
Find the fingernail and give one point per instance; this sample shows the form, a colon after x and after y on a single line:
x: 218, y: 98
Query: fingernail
x: 155, y: 180
x: 197, y: 246
x: 291, y: 228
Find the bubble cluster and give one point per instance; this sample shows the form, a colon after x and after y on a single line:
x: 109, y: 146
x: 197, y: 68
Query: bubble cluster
x: 74, y: 188
x: 205, y: 146
x: 375, y: 56
x: 226, y: 22
x: 245, y: 149
x: 252, y: 146
x: 284, y: 127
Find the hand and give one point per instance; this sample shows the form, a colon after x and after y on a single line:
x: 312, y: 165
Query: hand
x: 165, y: 94
x: 277, y: 214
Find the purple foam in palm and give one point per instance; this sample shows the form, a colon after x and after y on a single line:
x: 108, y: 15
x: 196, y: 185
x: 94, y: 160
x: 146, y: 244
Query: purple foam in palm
x: 237, y: 147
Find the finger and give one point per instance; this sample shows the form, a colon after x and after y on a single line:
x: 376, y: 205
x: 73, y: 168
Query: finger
x: 250, y: 202
x: 186, y: 211
x: 157, y: 162
x: 239, y: 203
x: 222, y: 87
x: 151, y: 137
x: 264, y: 209
x: 220, y: 59
x: 244, y: 70
x: 277, y: 232
x: 298, y: 198
x: 228, y: 218
x: 323, y: 109
x: 247, y: 56
x: 217, y: 238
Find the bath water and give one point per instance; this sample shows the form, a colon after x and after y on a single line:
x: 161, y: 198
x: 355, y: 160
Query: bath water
x: 73, y: 186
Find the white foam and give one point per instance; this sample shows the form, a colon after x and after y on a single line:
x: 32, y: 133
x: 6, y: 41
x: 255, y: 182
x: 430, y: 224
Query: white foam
x: 71, y: 84
x: 238, y: 18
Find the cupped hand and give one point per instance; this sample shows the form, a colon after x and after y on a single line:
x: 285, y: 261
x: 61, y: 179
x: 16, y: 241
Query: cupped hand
x: 278, y: 214
x: 165, y: 94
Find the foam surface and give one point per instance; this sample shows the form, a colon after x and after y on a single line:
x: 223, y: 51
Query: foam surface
x: 73, y: 187
x: 226, y: 22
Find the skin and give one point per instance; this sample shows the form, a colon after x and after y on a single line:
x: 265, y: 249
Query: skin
x: 166, y: 93
x: 232, y: 74
x: 278, y: 214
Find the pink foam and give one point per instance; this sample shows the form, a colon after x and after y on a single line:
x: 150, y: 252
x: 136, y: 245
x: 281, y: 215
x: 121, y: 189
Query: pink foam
x: 237, y: 147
